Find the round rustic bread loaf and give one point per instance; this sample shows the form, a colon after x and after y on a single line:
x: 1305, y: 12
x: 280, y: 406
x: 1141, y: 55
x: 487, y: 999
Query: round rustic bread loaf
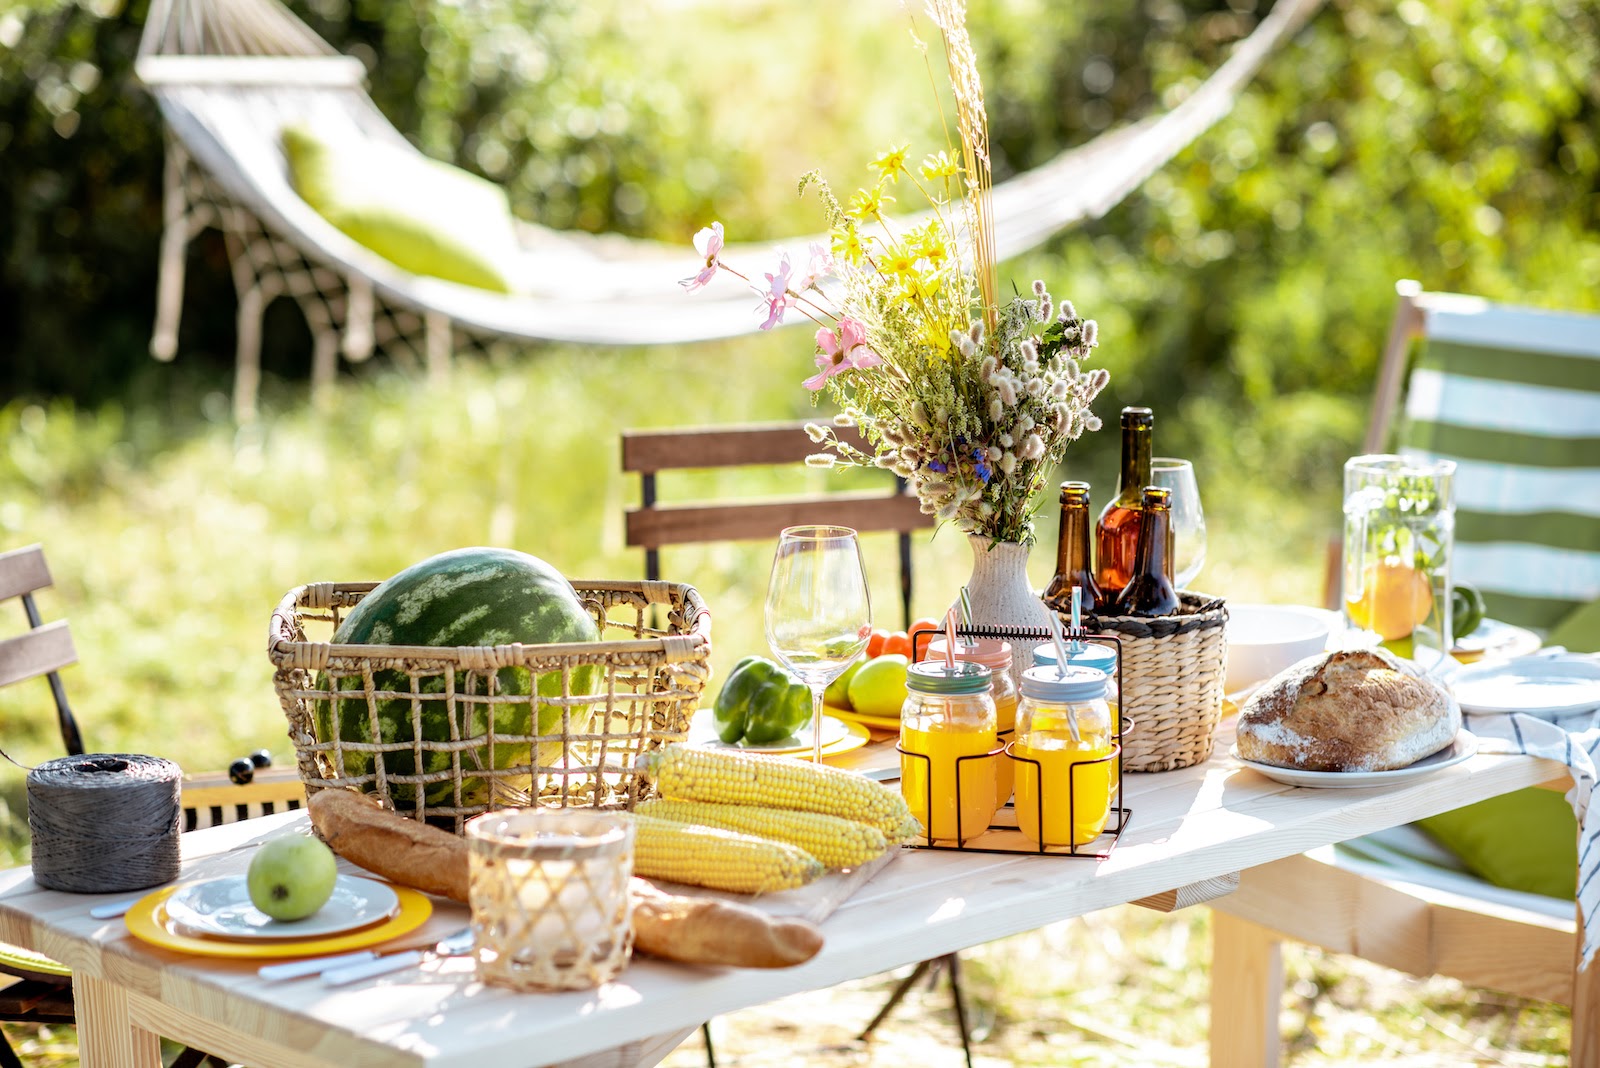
x: 1351, y: 710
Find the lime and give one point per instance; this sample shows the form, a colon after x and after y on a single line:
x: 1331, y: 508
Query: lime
x: 1466, y: 610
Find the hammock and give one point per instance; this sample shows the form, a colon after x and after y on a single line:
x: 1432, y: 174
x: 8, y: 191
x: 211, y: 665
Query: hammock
x: 229, y: 75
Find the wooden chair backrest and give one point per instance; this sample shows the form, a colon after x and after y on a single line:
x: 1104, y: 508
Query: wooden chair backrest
x: 1512, y: 395
x: 45, y: 648
x: 653, y: 525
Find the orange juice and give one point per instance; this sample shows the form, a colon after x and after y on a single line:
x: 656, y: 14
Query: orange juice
x: 942, y: 744
x: 1005, y: 714
x: 1076, y: 802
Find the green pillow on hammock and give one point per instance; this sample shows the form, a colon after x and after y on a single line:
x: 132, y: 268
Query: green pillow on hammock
x: 420, y: 214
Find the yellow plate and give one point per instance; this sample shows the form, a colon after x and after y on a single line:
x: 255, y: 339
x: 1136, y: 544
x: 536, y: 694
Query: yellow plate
x: 1495, y: 640
x: 148, y: 922
x: 882, y: 723
x: 859, y: 736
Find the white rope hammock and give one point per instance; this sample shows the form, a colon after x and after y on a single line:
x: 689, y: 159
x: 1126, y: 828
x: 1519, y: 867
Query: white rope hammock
x: 229, y: 75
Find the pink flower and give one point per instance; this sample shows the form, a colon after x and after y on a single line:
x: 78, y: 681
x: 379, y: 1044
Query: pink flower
x: 846, y: 351
x: 820, y: 266
x: 776, y: 295
x: 708, y: 243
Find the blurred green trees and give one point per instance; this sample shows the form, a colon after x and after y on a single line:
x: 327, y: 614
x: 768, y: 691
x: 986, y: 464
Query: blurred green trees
x: 1453, y: 142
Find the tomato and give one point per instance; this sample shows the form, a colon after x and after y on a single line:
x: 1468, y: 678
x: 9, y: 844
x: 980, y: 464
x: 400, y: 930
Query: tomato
x: 926, y: 624
x: 875, y: 643
x: 898, y: 642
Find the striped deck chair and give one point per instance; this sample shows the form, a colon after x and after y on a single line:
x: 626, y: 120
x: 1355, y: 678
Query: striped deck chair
x: 1512, y: 395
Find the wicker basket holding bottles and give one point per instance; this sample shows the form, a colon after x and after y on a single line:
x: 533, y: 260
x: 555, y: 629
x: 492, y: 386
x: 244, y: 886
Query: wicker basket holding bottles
x: 1173, y: 670
x: 571, y: 738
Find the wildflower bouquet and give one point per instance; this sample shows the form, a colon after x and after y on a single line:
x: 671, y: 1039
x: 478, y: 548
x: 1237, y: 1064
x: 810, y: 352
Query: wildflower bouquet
x: 972, y: 401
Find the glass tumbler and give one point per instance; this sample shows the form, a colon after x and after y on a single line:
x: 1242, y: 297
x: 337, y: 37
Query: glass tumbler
x: 549, y: 894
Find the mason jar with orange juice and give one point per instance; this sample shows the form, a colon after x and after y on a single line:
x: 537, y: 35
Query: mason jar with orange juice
x: 949, y: 748
x: 1064, y: 756
x: 995, y: 655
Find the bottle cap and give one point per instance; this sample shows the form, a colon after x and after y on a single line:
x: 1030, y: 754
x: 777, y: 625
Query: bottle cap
x: 1089, y: 655
x: 992, y: 653
x: 935, y: 676
x: 1070, y: 684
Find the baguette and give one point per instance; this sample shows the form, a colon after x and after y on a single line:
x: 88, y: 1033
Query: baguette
x: 693, y: 930
x: 402, y: 850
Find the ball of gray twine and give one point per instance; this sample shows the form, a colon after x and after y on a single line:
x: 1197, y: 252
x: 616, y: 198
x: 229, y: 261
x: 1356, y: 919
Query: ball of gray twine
x: 104, y: 822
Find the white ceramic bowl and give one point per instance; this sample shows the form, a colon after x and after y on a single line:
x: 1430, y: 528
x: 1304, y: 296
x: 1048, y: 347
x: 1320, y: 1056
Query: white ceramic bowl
x: 1263, y: 639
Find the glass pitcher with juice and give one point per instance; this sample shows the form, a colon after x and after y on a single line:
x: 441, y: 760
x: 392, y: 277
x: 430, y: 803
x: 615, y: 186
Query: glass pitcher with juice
x: 948, y: 748
x: 1399, y: 528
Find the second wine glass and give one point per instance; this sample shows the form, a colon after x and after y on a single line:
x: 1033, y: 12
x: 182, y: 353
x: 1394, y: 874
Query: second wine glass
x: 1188, y: 549
x: 818, y: 611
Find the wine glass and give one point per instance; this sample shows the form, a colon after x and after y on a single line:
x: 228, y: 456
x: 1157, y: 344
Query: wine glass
x: 1188, y: 521
x: 818, y: 612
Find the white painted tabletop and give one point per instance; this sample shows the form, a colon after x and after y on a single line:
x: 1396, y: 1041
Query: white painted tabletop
x: 1186, y: 826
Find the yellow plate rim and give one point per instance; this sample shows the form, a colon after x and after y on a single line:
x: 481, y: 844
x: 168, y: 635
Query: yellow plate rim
x: 852, y: 716
x: 146, y: 921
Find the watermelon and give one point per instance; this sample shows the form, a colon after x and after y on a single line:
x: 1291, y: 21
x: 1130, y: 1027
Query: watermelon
x: 478, y: 596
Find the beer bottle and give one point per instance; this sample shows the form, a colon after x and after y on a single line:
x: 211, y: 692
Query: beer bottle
x: 1072, y: 554
x: 1149, y: 591
x: 1116, y: 534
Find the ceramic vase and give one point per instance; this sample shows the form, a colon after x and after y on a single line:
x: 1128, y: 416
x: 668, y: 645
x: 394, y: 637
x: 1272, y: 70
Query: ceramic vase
x: 1001, y: 596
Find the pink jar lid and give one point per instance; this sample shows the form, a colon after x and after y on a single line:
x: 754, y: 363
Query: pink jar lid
x: 992, y: 653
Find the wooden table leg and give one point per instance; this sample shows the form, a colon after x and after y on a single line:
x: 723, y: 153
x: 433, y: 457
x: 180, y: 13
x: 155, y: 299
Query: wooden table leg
x: 1246, y: 990
x: 107, y: 1037
x: 1585, y: 1049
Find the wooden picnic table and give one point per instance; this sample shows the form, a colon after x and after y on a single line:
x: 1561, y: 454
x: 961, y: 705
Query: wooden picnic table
x: 1191, y: 831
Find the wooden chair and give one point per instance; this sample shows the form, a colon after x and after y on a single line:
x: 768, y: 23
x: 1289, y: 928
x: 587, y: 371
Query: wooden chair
x: 41, y: 990
x: 1510, y: 394
x: 654, y: 525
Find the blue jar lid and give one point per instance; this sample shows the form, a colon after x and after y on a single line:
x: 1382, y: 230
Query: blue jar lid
x: 934, y: 676
x: 1049, y: 683
x: 1089, y: 654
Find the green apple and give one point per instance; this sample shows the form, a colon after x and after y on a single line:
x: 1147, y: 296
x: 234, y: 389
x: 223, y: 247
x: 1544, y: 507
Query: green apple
x: 879, y: 688
x: 290, y: 878
x: 838, y: 692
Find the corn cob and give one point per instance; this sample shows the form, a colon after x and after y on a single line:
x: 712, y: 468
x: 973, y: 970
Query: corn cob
x: 692, y: 774
x: 837, y: 843
x: 719, y: 859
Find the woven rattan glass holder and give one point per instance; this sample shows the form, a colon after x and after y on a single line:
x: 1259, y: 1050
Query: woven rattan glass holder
x: 550, y: 904
x: 465, y: 744
x: 1173, y: 669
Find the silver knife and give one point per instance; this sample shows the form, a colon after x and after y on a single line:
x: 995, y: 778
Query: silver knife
x: 298, y: 969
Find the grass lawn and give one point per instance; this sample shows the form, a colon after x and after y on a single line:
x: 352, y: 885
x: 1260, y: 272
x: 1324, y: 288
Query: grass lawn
x: 172, y: 535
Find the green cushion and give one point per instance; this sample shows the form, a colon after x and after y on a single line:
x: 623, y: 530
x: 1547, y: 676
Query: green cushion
x: 1526, y: 840
x: 16, y: 960
x: 425, y: 216
x: 1580, y: 631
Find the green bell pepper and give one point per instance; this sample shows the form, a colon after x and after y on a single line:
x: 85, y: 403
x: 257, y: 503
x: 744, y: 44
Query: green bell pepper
x: 760, y: 703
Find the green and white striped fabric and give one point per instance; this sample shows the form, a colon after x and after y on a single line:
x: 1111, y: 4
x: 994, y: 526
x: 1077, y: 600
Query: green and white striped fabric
x: 1513, y: 396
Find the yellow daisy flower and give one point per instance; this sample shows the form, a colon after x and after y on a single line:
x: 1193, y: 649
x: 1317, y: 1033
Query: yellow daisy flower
x: 900, y: 262
x: 939, y: 165
x: 891, y: 163
x: 868, y: 204
x: 847, y: 245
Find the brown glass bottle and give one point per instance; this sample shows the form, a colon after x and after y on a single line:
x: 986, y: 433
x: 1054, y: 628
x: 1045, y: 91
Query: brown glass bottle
x: 1149, y: 592
x: 1116, y: 535
x: 1072, y: 554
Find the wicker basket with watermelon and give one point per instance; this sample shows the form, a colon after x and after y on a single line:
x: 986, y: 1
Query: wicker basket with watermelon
x: 481, y: 678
